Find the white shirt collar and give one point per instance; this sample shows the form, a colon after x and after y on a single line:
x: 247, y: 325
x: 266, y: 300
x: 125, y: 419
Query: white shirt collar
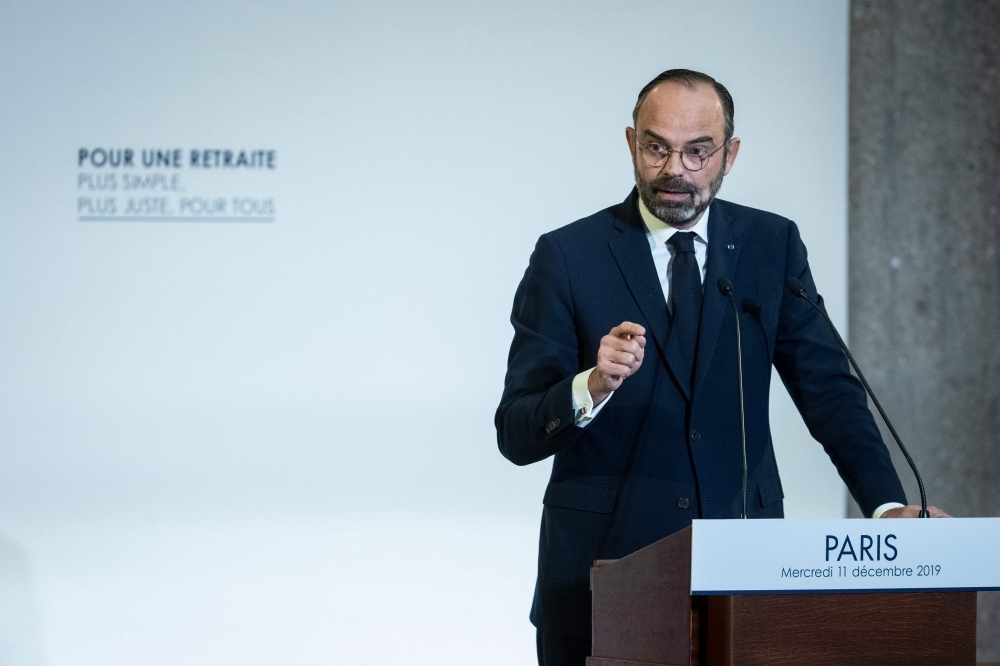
x: 661, y: 231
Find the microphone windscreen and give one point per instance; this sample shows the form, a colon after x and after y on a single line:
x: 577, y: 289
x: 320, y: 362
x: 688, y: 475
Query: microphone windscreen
x: 725, y: 287
x: 796, y: 287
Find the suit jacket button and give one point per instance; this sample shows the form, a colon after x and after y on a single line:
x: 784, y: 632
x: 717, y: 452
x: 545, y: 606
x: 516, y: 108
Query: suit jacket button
x: 695, y: 436
x: 551, y: 425
x: 683, y: 502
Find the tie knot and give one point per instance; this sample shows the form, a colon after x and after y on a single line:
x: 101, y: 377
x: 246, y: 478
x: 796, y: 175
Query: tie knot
x: 683, y: 241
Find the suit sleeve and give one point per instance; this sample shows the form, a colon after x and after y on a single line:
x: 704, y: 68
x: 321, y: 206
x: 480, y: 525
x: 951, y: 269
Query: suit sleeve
x: 535, y: 416
x: 831, y: 400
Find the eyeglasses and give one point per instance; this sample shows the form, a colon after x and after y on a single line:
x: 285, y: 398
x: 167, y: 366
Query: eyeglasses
x: 655, y: 155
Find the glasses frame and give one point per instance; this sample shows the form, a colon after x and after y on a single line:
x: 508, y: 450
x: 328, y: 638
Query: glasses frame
x: 642, y: 147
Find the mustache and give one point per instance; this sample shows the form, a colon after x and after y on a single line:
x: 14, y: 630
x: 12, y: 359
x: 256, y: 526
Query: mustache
x: 673, y: 184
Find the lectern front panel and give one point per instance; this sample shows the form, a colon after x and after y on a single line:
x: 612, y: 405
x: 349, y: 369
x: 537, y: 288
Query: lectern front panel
x: 888, y: 629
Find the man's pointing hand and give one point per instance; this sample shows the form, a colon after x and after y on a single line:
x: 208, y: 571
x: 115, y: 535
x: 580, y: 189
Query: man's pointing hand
x: 619, y: 356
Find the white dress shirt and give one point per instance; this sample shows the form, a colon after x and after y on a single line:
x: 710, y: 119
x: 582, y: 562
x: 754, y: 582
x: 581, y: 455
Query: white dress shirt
x: 657, y: 233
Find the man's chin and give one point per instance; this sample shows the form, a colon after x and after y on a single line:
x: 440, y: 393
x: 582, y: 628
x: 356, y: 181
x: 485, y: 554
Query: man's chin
x: 674, y: 215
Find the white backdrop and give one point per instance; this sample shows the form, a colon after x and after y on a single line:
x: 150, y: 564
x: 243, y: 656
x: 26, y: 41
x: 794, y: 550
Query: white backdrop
x: 235, y: 442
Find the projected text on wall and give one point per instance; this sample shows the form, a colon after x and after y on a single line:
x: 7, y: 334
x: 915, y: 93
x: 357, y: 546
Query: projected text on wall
x: 174, y: 185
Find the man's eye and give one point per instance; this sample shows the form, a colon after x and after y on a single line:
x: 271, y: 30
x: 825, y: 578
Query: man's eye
x: 697, y: 151
x: 656, y: 148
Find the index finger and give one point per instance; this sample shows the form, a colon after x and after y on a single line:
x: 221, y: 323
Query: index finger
x: 628, y: 329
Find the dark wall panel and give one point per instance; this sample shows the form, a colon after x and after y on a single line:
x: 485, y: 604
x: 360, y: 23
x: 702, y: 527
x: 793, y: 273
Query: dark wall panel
x: 925, y: 243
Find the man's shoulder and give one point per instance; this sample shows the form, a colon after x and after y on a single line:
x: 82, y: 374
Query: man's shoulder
x: 588, y: 229
x: 753, y: 216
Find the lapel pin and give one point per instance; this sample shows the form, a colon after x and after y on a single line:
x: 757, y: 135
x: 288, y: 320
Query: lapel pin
x: 731, y: 246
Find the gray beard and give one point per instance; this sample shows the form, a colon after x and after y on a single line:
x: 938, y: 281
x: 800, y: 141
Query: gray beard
x: 675, y: 213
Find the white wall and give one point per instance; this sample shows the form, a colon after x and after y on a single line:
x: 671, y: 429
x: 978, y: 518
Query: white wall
x: 214, y: 433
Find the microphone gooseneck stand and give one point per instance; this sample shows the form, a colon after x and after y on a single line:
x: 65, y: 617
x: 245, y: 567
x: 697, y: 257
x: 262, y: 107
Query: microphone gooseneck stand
x: 726, y: 289
x: 796, y: 287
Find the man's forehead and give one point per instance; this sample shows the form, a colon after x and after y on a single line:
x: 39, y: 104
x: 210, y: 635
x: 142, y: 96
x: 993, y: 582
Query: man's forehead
x: 679, y: 109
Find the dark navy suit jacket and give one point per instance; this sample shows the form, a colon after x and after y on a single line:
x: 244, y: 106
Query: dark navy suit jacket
x: 661, y: 453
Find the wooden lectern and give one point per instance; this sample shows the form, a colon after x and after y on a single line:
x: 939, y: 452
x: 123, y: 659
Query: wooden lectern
x: 644, y: 615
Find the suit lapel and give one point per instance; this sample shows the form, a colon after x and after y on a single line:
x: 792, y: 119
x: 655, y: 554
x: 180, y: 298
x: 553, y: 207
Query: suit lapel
x: 724, y: 236
x: 631, y: 251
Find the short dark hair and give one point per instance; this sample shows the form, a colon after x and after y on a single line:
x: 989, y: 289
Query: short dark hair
x: 690, y: 79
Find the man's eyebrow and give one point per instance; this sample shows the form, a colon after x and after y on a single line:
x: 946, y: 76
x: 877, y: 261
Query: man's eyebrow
x: 653, y: 134
x: 701, y: 139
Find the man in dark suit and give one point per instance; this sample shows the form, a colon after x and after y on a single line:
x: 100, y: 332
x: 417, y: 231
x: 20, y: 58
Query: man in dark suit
x: 644, y: 445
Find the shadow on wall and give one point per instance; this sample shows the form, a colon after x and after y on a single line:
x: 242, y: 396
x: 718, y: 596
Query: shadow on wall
x: 20, y: 639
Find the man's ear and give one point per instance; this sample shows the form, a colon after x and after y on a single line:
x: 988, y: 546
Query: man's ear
x: 734, y: 148
x: 630, y: 139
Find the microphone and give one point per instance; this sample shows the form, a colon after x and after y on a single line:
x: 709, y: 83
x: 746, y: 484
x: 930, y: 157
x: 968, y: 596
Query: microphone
x: 799, y: 289
x: 750, y: 308
x: 726, y: 289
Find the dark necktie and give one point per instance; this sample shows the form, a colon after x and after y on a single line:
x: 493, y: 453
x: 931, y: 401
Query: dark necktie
x: 685, y: 292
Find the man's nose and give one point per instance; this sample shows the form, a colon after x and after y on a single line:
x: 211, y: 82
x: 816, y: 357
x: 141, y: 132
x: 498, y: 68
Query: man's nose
x: 673, y: 166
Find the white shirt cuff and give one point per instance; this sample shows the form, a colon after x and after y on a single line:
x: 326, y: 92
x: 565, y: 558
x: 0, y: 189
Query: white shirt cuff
x: 583, y: 403
x: 885, y: 507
